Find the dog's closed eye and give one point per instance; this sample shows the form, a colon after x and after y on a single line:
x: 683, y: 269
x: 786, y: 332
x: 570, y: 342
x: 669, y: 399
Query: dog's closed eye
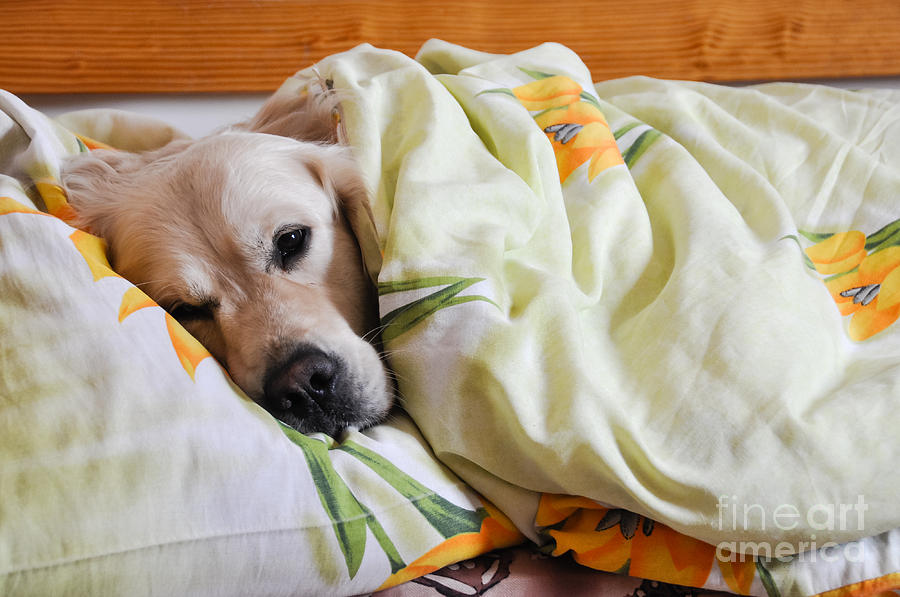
x: 187, y: 312
x: 291, y: 243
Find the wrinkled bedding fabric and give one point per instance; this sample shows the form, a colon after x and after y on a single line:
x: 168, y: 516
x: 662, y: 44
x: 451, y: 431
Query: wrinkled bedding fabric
x: 650, y: 323
x: 671, y: 297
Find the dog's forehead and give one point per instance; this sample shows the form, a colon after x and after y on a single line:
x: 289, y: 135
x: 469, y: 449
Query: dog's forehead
x: 256, y: 181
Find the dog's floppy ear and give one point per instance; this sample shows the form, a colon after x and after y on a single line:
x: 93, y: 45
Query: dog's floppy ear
x: 299, y: 115
x: 341, y: 177
x: 101, y: 184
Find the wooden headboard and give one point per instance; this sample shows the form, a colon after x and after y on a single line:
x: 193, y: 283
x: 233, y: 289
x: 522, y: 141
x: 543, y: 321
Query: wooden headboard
x: 70, y: 46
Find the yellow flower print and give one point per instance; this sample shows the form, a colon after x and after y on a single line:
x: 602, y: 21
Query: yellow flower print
x: 55, y: 199
x: 496, y: 532
x: 579, y: 132
x: 864, y: 275
x: 187, y: 348
x: 549, y: 92
x: 616, y: 540
x: 871, y: 293
x: 133, y: 300
x: 8, y: 205
x: 838, y: 253
x: 93, y: 250
x: 554, y: 508
x: 93, y: 143
x: 572, y: 120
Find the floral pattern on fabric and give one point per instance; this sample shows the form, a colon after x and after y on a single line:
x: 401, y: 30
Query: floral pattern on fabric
x: 615, y: 540
x: 187, y: 349
x: 860, y: 272
x: 463, y: 532
x: 863, y: 275
x: 572, y: 121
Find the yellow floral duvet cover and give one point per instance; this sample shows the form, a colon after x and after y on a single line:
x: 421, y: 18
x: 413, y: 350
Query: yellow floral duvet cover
x: 652, y: 323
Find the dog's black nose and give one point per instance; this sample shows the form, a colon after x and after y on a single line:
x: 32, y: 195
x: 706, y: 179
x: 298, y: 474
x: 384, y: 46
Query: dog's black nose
x: 308, y: 387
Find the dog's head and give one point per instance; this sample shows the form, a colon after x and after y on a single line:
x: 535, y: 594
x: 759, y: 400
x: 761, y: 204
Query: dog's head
x: 243, y: 237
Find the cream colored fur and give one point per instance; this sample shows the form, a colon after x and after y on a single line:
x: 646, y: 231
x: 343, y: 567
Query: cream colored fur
x: 197, y: 223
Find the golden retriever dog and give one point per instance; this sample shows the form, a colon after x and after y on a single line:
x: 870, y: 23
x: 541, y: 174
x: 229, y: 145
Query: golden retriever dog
x: 243, y: 236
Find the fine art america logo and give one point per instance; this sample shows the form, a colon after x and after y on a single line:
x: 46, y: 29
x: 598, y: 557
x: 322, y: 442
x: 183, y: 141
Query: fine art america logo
x: 787, y: 517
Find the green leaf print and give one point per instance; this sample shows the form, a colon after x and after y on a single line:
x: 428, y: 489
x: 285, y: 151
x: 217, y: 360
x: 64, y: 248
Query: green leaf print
x: 535, y: 74
x: 419, y: 283
x: 641, y: 144
x: 447, y: 518
x: 888, y: 236
x: 348, y: 516
x: 630, y: 126
x: 405, y: 318
x: 815, y: 237
x: 394, y: 558
x: 502, y: 90
x: 346, y: 513
x: 767, y: 581
x: 806, y: 258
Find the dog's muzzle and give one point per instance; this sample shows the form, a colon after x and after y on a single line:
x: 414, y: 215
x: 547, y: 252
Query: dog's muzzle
x: 312, y: 391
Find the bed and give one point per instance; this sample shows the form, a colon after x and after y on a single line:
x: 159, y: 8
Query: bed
x: 641, y: 305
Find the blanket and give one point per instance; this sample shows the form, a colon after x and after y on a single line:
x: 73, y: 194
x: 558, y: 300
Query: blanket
x: 674, y: 298
x: 651, y: 323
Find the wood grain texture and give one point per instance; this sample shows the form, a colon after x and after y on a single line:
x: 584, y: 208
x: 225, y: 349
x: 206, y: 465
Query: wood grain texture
x: 62, y: 46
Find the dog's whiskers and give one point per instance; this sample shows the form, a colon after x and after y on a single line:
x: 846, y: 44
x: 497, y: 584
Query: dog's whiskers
x: 374, y: 332
x: 393, y: 375
x: 399, y: 399
x: 139, y: 284
x: 387, y: 355
x: 395, y: 378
